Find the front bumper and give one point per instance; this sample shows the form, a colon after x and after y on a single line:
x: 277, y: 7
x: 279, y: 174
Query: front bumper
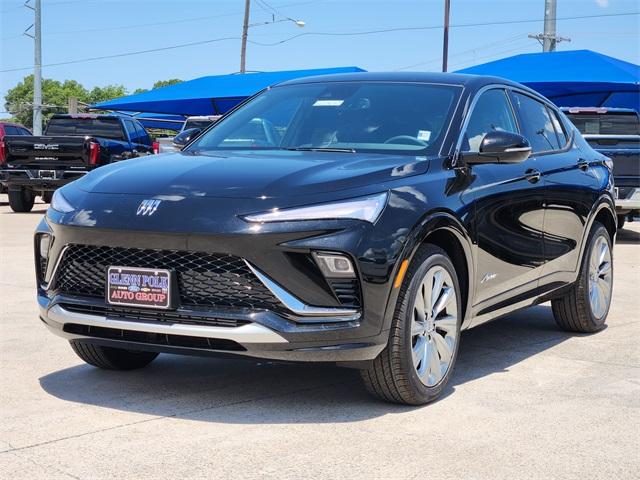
x: 630, y: 200
x: 261, y: 334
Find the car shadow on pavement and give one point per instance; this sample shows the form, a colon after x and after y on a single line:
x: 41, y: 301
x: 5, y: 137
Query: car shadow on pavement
x: 627, y: 237
x: 257, y: 392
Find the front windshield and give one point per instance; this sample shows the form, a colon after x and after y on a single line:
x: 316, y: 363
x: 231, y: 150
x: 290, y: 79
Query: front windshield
x: 382, y: 117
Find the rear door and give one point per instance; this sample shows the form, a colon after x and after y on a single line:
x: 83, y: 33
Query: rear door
x: 571, y: 185
x: 144, y: 140
x: 508, y: 212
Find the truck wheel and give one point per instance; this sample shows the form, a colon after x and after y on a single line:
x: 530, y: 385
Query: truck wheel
x: 46, y: 197
x: 621, y: 220
x: 419, y: 358
x: 21, y: 200
x: 110, y: 358
x: 585, y: 306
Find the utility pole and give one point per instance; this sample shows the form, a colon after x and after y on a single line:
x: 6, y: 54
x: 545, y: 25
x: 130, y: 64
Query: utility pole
x: 37, y: 72
x: 549, y: 39
x: 445, y: 40
x: 245, y: 31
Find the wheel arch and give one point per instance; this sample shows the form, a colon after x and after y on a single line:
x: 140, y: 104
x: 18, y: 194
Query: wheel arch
x: 604, y: 211
x: 444, y: 230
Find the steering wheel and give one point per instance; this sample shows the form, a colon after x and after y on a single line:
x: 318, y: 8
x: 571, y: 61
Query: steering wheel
x: 416, y: 141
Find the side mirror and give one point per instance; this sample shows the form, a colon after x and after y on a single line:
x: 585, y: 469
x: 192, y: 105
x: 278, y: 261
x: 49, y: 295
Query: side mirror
x: 185, y: 136
x: 500, y: 147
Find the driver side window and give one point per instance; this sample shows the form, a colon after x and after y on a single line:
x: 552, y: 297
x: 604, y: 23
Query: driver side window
x: 491, y: 112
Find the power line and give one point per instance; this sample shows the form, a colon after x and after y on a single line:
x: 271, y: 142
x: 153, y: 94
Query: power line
x: 432, y: 27
x: 338, y: 34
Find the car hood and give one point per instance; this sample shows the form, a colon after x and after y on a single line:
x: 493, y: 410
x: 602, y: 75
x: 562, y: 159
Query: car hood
x: 250, y: 174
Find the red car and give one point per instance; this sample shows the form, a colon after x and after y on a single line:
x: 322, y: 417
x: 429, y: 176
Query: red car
x: 8, y: 128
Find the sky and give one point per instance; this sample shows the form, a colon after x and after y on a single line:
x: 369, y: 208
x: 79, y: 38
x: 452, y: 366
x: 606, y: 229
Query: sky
x: 79, y: 29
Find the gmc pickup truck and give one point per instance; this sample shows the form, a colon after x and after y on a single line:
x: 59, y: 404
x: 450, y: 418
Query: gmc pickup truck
x: 615, y: 132
x: 71, y: 146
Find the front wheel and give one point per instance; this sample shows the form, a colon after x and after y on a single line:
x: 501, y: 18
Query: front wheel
x: 423, y: 342
x: 584, y: 308
x: 110, y: 358
x: 21, y: 200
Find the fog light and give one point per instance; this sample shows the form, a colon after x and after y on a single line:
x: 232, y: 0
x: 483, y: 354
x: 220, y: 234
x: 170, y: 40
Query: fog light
x: 45, y: 243
x: 334, y: 265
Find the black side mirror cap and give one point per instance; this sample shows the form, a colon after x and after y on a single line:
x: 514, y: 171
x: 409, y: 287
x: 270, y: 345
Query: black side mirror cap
x: 500, y: 147
x: 186, y: 136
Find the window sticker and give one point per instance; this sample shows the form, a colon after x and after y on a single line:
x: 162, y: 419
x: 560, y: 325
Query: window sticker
x: 424, y: 135
x: 328, y: 103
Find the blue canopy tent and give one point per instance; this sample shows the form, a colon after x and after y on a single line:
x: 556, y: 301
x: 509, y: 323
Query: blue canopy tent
x: 211, y: 95
x: 160, y: 120
x: 577, y: 78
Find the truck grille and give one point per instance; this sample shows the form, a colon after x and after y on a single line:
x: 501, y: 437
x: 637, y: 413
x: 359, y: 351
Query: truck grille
x: 204, y: 279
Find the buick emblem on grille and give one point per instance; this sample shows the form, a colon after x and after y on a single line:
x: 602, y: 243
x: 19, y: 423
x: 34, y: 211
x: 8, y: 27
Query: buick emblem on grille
x: 148, y: 207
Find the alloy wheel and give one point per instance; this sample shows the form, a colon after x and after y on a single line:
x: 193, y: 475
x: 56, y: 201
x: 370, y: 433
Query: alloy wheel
x: 600, y: 277
x: 434, y: 331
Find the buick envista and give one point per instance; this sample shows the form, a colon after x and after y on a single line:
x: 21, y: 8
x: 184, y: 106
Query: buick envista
x: 362, y: 219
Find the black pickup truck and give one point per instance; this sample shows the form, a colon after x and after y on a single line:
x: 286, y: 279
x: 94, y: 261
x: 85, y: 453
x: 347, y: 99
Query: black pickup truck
x: 71, y: 146
x: 615, y: 132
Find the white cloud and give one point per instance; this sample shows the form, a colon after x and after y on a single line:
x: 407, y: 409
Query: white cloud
x: 603, y: 3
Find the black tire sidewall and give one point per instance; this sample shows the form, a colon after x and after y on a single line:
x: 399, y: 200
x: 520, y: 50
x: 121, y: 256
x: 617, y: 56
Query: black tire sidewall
x: 437, y: 258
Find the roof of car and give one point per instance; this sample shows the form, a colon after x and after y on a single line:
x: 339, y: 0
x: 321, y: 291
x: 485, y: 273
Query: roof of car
x: 409, y: 77
x: 13, y: 124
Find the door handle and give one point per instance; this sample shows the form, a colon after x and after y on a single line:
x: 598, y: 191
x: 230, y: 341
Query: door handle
x: 533, y: 175
x: 583, y: 164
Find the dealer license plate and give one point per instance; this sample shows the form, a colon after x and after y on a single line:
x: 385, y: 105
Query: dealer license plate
x: 139, y: 287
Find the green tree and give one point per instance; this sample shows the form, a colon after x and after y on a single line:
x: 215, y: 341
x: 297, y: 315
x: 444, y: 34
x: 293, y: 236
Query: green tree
x: 55, y: 97
x: 158, y: 84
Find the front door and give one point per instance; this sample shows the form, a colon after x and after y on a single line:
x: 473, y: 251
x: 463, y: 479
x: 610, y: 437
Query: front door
x: 508, y: 206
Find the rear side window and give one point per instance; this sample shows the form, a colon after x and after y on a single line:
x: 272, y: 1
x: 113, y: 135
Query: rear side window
x: 557, y: 125
x: 10, y: 130
x: 536, y: 124
x: 622, y: 123
x: 491, y: 112
x: 143, y: 136
x: 96, y: 127
x: 24, y: 131
x: 131, y: 129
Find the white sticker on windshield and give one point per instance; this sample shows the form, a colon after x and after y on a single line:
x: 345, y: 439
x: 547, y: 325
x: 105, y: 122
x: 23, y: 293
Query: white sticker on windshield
x: 328, y: 103
x: 424, y: 135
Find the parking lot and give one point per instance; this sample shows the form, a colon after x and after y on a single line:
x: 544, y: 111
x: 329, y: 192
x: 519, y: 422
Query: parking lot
x: 526, y: 401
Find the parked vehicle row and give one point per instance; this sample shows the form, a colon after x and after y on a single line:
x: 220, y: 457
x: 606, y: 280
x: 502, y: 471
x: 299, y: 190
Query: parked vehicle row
x: 615, y: 132
x: 364, y: 219
x: 71, y: 146
x: 191, y: 128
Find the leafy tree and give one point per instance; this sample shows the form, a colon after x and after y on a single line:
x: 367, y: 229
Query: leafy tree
x: 158, y: 84
x: 55, y: 96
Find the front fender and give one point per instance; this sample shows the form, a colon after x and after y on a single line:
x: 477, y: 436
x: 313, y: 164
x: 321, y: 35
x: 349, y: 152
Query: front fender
x: 431, y: 223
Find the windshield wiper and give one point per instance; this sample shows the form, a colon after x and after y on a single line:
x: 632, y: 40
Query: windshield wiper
x: 320, y: 149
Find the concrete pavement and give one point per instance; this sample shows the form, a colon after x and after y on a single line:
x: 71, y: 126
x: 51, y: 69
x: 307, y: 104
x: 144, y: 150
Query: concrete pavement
x: 526, y: 401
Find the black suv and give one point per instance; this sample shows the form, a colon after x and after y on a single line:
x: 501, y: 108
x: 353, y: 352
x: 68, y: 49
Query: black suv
x: 364, y: 219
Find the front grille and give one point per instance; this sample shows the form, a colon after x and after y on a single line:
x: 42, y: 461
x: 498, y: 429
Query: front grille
x: 347, y: 291
x: 147, y: 315
x: 149, y: 338
x: 204, y: 279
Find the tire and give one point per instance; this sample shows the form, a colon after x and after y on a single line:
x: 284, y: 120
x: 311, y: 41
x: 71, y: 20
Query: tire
x: 621, y: 221
x: 21, y: 201
x: 110, y: 358
x: 575, y: 311
x: 394, y: 376
x: 46, y: 197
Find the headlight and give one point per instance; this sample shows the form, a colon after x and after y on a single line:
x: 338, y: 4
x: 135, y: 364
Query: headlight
x: 60, y: 204
x: 362, y: 208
